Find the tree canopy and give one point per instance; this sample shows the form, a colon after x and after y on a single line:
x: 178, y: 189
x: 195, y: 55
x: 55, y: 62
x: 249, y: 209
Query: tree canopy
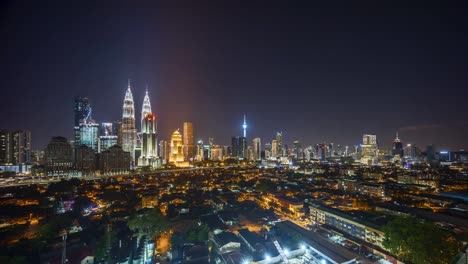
x: 419, y: 242
x: 150, y: 222
x: 199, y: 234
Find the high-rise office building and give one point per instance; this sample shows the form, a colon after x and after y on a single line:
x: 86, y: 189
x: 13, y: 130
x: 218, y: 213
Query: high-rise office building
x: 6, y: 147
x: 82, y: 111
x: 331, y: 150
x: 239, y: 147
x: 106, y: 129
x: 105, y: 142
x: 107, y: 137
x: 257, y: 149
x: 279, y: 144
x: 22, y: 147
x: 410, y: 152
x: 250, y: 153
x: 369, y: 149
x: 37, y: 157
x: 199, y: 151
x: 15, y: 147
x: 89, y: 135
x: 216, y: 153
x: 430, y: 153
x: 274, y: 149
x: 188, y: 141
x: 297, y: 149
x: 397, y: 147
x: 128, y: 124
x: 206, y: 152
x: 86, y: 129
x: 321, y: 151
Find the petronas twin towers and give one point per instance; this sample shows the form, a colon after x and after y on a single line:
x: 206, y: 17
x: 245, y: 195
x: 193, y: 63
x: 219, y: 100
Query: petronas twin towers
x: 129, y: 132
x: 148, y: 139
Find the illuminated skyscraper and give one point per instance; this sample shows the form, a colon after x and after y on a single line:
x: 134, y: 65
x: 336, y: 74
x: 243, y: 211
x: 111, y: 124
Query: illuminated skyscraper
x: 149, y: 136
x: 279, y: 144
x: 257, y: 149
x: 89, y: 135
x: 146, y: 108
x: 274, y: 149
x: 128, y: 124
x: 188, y: 141
x: 87, y: 130
x: 149, y: 150
x: 176, y: 155
x: 82, y: 111
x: 369, y: 149
x: 107, y: 136
x: 199, y: 151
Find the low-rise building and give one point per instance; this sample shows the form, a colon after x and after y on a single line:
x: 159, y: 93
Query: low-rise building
x: 115, y: 160
x: 347, y: 223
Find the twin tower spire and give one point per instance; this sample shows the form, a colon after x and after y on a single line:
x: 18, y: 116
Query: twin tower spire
x: 128, y: 106
x: 148, y: 127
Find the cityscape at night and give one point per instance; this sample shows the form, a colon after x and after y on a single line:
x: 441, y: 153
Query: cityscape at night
x: 157, y: 132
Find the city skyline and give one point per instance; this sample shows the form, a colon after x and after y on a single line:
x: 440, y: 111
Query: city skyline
x: 183, y: 132
x: 385, y: 143
x: 321, y: 76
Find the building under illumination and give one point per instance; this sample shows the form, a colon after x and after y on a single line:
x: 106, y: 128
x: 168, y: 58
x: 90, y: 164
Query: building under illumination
x: 89, y: 134
x: 82, y: 111
x: 149, y: 137
x: 369, y: 149
x: 176, y: 155
x: 279, y: 144
x: 128, y: 124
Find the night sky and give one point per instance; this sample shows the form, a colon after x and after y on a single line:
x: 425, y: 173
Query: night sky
x: 317, y: 73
